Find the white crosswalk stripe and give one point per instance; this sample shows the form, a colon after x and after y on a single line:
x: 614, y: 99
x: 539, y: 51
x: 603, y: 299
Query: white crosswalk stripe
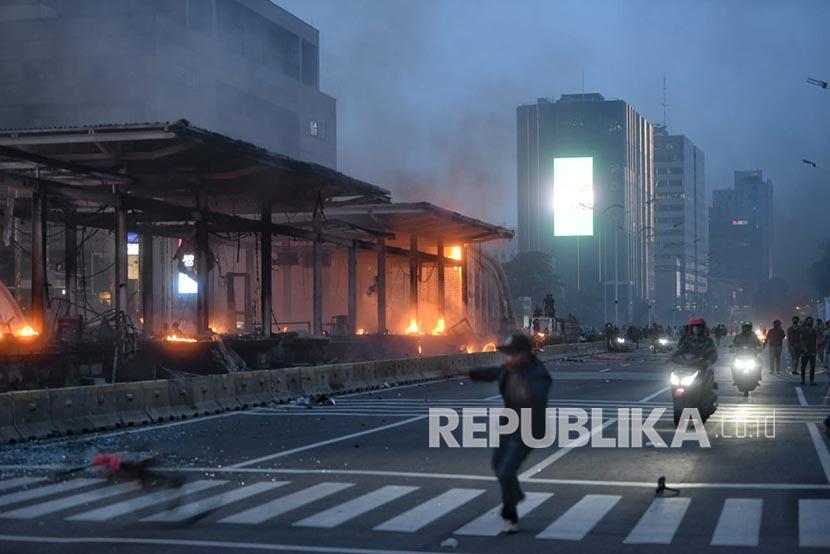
x: 423, y: 514
x: 193, y: 509
x: 489, y: 523
x: 813, y: 518
x: 739, y: 523
x: 133, y: 505
x: 52, y: 506
x: 353, y: 508
x: 285, y: 504
x: 660, y: 522
x: 46, y: 490
x: 578, y: 521
x: 19, y: 482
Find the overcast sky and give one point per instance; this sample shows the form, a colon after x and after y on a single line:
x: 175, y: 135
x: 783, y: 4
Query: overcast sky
x: 427, y: 89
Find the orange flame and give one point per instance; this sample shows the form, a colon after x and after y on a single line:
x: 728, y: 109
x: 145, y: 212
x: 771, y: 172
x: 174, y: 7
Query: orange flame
x: 177, y: 338
x: 413, y: 328
x: 489, y: 347
x: 361, y: 331
x: 27, y: 331
x: 469, y: 349
x: 440, y: 327
x: 455, y: 253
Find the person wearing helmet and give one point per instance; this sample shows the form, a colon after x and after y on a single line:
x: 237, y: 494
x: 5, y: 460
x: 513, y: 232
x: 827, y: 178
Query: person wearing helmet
x: 746, y: 338
x: 698, y: 343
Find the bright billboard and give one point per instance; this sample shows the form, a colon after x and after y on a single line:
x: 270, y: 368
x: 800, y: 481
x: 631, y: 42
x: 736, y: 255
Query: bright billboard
x: 573, y: 197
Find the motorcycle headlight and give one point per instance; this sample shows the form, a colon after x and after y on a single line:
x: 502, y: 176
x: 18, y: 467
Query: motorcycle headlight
x: 620, y: 340
x: 745, y: 363
x: 683, y: 381
x: 663, y: 341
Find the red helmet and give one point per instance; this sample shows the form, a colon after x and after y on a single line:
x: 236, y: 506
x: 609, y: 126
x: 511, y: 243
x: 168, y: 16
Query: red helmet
x: 697, y: 321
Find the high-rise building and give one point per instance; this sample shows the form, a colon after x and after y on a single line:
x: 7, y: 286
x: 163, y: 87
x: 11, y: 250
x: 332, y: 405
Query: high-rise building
x: 740, y: 237
x: 244, y: 68
x: 681, y: 266
x: 585, y: 184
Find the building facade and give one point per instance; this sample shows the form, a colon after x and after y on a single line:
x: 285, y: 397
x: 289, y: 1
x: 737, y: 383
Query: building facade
x: 244, y: 68
x: 585, y: 184
x: 740, y: 236
x: 681, y: 259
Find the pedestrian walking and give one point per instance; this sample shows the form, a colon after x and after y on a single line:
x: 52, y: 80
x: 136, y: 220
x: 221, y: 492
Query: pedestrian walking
x: 820, y: 341
x: 775, y: 341
x: 794, y: 345
x: 524, y: 382
x: 808, y: 349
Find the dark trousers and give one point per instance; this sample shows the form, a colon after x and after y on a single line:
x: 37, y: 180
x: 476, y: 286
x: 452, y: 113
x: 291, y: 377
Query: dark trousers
x: 507, y: 458
x: 794, y: 356
x: 808, y: 359
x: 774, y: 359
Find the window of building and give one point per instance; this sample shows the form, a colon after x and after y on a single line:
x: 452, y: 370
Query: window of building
x: 313, y: 128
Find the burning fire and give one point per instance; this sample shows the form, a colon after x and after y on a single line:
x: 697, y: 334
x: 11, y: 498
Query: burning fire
x: 489, y: 347
x: 469, y: 349
x: 440, y: 327
x: 455, y: 253
x: 413, y: 328
x: 27, y: 331
x: 361, y: 331
x: 177, y: 338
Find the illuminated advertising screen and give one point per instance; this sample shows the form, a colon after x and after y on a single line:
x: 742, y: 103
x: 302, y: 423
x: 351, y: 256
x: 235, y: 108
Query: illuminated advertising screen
x: 573, y: 197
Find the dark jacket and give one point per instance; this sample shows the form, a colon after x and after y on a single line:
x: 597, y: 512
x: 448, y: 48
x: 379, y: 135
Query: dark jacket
x: 793, y: 339
x: 523, y: 388
x: 808, y: 336
x: 750, y: 340
x: 702, y: 347
x: 775, y: 337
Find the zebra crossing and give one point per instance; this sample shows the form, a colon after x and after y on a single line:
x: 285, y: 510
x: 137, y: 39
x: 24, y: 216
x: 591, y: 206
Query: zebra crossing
x: 239, y: 504
x: 405, y: 407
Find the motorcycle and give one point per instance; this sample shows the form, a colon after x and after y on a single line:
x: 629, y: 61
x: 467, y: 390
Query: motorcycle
x: 693, y: 386
x: 661, y: 345
x: 746, y: 368
x: 620, y: 344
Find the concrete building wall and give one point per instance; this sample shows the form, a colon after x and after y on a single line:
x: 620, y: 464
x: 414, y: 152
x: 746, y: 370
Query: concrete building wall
x: 244, y: 68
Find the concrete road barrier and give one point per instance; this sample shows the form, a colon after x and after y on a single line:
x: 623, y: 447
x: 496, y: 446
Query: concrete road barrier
x: 223, y: 390
x: 265, y: 387
x: 101, y: 407
x: 293, y: 382
x: 157, y: 400
x: 280, y: 383
x: 244, y: 389
x: 7, y: 431
x: 69, y: 411
x: 129, y: 404
x: 315, y: 380
x: 32, y: 414
x: 202, y: 396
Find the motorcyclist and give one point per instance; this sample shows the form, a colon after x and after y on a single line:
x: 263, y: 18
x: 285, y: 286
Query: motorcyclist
x: 746, y: 338
x: 697, y: 343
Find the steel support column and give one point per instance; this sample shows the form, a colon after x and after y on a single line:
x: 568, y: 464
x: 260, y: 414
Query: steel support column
x: 381, y: 287
x: 265, y: 269
x: 465, y: 286
x: 413, y: 278
x: 70, y: 268
x: 146, y: 268
x: 39, y: 209
x: 202, y: 279
x: 317, y: 277
x: 442, y: 284
x: 352, y: 289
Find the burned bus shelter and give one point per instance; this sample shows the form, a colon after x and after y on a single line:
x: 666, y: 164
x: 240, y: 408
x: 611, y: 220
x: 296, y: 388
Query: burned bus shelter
x: 170, y: 232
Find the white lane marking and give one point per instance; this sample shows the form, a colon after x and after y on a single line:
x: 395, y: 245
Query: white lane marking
x: 489, y: 523
x: 800, y: 394
x: 423, y: 514
x: 604, y: 370
x: 813, y: 515
x: 19, y: 482
x: 46, y: 490
x: 652, y: 396
x: 563, y: 450
x: 285, y: 504
x: 821, y: 449
x: 113, y: 511
x: 225, y: 545
x: 355, y: 507
x: 193, y: 509
x: 660, y: 522
x: 739, y: 523
x: 334, y: 440
x: 578, y: 521
x: 74, y: 501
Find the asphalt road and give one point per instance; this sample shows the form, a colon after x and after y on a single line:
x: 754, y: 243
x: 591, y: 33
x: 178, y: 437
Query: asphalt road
x: 359, y: 477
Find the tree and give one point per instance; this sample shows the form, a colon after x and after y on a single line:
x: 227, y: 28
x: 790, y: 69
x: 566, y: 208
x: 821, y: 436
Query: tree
x: 531, y: 274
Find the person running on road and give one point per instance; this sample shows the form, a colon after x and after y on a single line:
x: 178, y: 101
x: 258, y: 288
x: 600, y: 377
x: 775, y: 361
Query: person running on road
x: 775, y: 341
x: 524, y: 382
x: 794, y: 345
x: 808, y: 334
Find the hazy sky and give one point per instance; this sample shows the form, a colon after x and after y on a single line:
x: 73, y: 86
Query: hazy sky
x: 427, y: 89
